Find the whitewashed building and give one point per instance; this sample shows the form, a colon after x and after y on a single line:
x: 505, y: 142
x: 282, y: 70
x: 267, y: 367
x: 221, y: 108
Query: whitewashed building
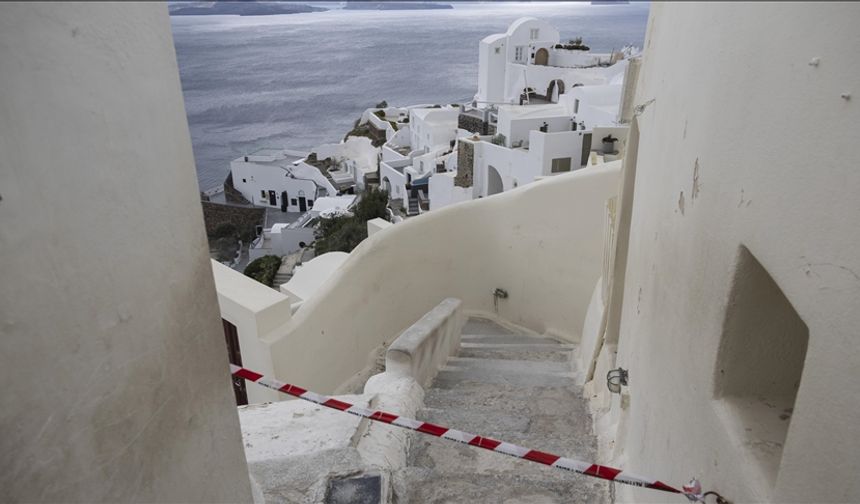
x: 528, y: 61
x: 416, y: 151
x: 542, y: 108
x: 275, y: 178
x: 352, y: 161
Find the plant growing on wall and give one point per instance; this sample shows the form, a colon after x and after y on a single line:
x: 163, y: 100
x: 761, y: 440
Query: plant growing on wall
x: 574, y: 45
x: 499, y: 139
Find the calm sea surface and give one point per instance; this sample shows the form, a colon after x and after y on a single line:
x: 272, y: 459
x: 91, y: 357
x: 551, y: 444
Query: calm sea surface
x: 299, y: 80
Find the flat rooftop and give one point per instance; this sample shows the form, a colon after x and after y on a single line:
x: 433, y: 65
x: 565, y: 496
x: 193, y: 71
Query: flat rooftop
x: 270, y: 156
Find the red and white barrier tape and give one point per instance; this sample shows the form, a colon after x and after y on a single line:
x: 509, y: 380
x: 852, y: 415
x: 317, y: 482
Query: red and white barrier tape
x: 594, y: 470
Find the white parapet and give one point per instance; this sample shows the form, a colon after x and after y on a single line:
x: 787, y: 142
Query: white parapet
x: 259, y: 314
x: 376, y: 225
x: 425, y: 345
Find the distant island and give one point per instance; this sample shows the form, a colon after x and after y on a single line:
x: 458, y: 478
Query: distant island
x: 241, y: 9
x: 362, y: 5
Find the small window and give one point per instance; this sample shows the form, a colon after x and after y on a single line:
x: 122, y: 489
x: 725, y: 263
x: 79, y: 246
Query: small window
x: 244, y: 181
x: 310, y: 203
x: 560, y: 165
x: 293, y: 202
x: 534, y: 33
x: 498, y: 50
x: 518, y: 53
x: 263, y: 194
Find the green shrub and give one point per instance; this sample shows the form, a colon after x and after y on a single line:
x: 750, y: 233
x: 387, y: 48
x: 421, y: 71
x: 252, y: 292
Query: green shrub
x: 344, y: 233
x: 264, y: 269
x: 382, y: 104
x: 379, y: 113
x: 373, y: 204
x: 224, y: 230
x: 341, y: 233
x: 498, y: 139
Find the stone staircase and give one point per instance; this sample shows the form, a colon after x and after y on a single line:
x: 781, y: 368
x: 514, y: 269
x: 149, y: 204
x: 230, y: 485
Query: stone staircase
x: 285, y: 272
x: 512, y: 387
x: 414, y: 206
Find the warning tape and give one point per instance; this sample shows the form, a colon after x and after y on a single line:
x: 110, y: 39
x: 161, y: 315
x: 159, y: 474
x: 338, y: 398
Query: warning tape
x: 567, y: 464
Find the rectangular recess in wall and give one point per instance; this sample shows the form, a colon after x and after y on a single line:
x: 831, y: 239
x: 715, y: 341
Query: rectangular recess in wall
x: 759, y: 366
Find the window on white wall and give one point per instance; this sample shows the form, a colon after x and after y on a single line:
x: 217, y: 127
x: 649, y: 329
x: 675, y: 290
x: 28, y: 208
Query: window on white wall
x: 519, y: 53
x: 498, y: 50
x: 561, y: 165
x: 533, y: 33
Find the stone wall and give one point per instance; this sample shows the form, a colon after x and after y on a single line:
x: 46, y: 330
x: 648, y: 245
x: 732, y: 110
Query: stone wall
x: 232, y: 194
x: 465, y: 164
x: 473, y: 124
x: 244, y: 218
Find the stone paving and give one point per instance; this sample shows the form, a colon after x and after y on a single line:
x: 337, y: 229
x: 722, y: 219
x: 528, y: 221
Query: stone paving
x: 512, y: 387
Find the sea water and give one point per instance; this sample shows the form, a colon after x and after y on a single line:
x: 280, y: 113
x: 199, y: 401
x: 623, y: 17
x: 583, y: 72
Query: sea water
x: 296, y: 81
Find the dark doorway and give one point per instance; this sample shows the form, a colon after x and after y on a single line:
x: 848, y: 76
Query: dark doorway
x: 273, y: 198
x: 234, y: 355
x: 555, y: 85
x: 284, y: 200
x: 586, y: 149
x: 542, y: 57
x: 303, y: 204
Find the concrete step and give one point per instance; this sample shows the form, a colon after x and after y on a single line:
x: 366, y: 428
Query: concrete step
x: 506, y: 339
x: 488, y: 400
x: 533, y: 353
x: 452, y: 378
x: 479, y: 326
x: 503, y: 487
x: 511, y: 386
x: 507, y: 366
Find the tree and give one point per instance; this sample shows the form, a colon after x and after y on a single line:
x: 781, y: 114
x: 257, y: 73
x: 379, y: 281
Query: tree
x: 264, y: 269
x: 344, y: 232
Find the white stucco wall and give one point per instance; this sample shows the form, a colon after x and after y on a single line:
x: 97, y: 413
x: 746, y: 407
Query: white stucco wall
x: 561, y: 145
x: 443, y: 192
x: 376, y: 225
x: 515, y: 122
x: 519, y: 35
x: 115, y: 379
x: 432, y: 128
x: 251, y: 178
x: 721, y: 165
x: 513, y: 165
x: 391, y: 279
x: 310, y: 276
x: 396, y: 179
x: 259, y: 314
x: 492, y: 58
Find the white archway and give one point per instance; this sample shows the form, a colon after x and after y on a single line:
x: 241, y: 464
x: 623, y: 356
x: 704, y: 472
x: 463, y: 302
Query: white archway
x: 494, y: 181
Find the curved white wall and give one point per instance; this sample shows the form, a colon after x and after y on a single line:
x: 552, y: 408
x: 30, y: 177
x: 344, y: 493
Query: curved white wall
x: 115, y: 385
x: 543, y: 243
x: 744, y: 143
